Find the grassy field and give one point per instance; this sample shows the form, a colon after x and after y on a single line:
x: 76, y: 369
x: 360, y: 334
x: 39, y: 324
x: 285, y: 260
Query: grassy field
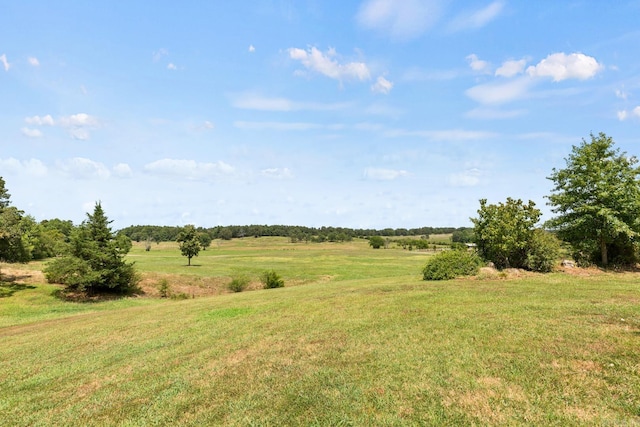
x: 355, y: 338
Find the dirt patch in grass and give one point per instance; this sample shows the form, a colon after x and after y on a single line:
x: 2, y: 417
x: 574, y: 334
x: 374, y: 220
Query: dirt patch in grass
x: 15, y: 274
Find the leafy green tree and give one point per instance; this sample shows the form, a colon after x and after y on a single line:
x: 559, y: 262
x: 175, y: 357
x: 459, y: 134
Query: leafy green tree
x: 12, y: 244
x: 205, y: 239
x: 189, y: 242
x: 95, y: 262
x: 504, y: 231
x: 597, y: 200
x: 376, y: 242
x: 462, y: 235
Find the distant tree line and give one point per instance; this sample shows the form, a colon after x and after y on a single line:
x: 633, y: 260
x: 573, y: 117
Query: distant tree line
x: 159, y: 233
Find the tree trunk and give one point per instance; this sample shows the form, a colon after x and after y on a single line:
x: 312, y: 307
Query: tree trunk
x: 189, y: 261
x: 603, y: 251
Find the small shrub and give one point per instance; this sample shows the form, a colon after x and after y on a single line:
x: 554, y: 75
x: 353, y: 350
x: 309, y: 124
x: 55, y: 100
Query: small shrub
x: 164, y: 288
x: 451, y: 264
x: 543, y: 251
x: 239, y: 283
x: 270, y: 279
x: 181, y: 295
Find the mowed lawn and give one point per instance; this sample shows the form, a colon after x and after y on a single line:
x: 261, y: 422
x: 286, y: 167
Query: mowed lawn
x: 359, y: 339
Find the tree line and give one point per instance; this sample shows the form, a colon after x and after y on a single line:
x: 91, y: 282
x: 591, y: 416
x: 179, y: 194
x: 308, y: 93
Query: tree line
x: 156, y: 233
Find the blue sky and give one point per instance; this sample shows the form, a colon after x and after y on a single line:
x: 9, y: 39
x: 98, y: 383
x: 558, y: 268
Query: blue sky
x: 374, y: 113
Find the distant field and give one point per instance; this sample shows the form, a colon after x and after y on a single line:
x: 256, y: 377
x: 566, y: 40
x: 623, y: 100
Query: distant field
x: 355, y: 338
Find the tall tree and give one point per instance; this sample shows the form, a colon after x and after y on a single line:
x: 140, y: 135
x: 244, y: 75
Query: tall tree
x: 597, y: 200
x: 12, y: 246
x: 189, y: 242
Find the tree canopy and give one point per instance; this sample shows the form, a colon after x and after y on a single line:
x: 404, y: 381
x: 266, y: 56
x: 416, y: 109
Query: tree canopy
x: 95, y: 262
x: 189, y: 242
x: 596, y: 197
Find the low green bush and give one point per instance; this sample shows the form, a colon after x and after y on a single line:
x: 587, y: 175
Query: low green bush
x: 270, y: 279
x: 451, y: 264
x: 238, y: 283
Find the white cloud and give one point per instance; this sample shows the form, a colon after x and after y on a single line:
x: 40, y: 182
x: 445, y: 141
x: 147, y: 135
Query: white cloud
x: 477, y: 19
x: 477, y: 64
x: 171, y: 66
x: 32, y: 167
x: 621, y: 94
x: 31, y: 133
x: 500, y: 92
x: 122, y: 170
x: 40, y: 121
x: 208, y: 125
x: 252, y: 48
x: 78, y: 125
x: 560, y: 66
x: 189, y: 169
x: 403, y: 20
x: 277, y: 173
x: 79, y: 167
x: 380, y: 174
x: 249, y: 101
x: 5, y: 62
x: 493, y: 114
x: 33, y: 61
x: 382, y: 85
x: 159, y: 54
x: 511, y: 68
x: 624, y: 114
x: 326, y: 64
x: 442, y: 135
x: 468, y: 178
x: 280, y: 126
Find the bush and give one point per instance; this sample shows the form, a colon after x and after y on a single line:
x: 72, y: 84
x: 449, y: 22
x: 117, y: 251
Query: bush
x: 164, y: 288
x: 271, y: 279
x: 543, y: 251
x: 376, y: 242
x: 239, y: 283
x: 451, y: 264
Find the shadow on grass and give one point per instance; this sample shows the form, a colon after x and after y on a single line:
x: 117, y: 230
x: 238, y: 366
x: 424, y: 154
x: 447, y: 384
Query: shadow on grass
x: 93, y: 297
x: 7, y: 289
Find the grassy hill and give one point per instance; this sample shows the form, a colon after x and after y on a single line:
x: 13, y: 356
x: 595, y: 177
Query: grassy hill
x: 355, y: 338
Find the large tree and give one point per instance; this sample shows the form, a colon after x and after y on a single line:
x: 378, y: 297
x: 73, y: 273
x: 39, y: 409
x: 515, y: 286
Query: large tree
x: 189, y: 242
x: 504, y: 231
x: 96, y: 262
x: 596, y: 197
x: 12, y: 245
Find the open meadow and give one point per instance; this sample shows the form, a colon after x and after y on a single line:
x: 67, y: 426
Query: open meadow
x: 355, y: 337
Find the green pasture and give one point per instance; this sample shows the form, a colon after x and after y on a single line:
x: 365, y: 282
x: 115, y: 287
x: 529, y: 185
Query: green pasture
x: 360, y: 340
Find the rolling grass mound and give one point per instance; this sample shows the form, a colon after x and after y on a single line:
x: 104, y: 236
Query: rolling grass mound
x: 551, y: 349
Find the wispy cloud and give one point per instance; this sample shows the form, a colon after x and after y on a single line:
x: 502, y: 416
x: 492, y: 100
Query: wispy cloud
x: 442, y: 135
x: 252, y: 101
x: 382, y: 85
x: 122, y: 170
x: 467, y: 178
x: 500, y: 92
x: 31, y: 133
x: 5, y: 62
x: 400, y: 20
x: 381, y: 174
x: 40, y: 121
x: 511, y: 68
x: 277, y: 173
x: 31, y: 167
x: 477, y: 64
x: 189, y: 169
x: 83, y: 168
x: 33, y: 61
x: 625, y: 114
x: 327, y: 64
x: 475, y: 19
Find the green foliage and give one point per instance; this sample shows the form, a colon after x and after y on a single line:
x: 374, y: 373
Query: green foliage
x: 503, y: 232
x: 597, y: 200
x: 205, y: 239
x: 376, y: 242
x: 95, y: 262
x: 270, y: 279
x: 189, y: 242
x: 543, y: 251
x: 239, y: 283
x: 451, y: 264
x: 462, y: 235
x: 164, y: 288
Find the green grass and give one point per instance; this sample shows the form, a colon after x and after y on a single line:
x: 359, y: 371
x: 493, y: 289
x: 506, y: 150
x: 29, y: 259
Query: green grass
x: 388, y: 350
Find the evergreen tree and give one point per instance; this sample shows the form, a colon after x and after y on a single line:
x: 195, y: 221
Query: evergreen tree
x: 96, y: 261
